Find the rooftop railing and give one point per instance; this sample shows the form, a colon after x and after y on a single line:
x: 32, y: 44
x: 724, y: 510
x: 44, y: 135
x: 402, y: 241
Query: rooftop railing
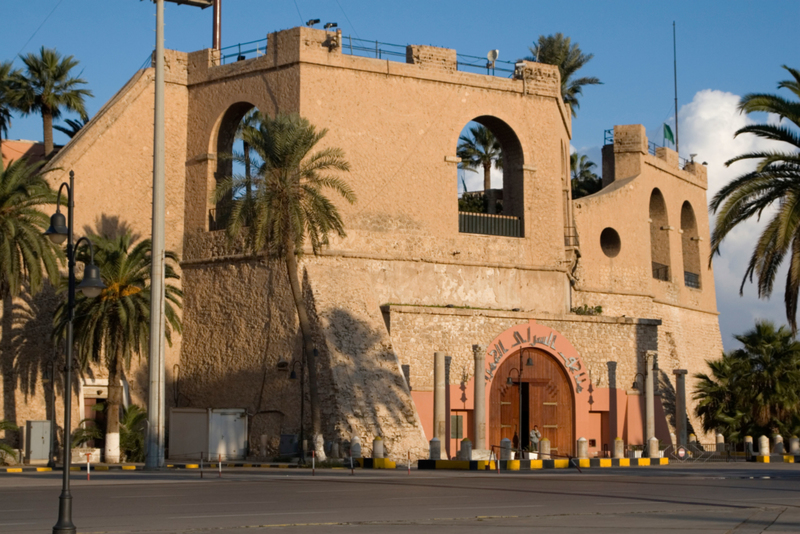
x: 608, y: 139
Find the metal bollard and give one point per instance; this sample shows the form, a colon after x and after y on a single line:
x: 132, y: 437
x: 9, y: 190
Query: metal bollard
x: 220, y: 466
x: 352, y: 472
x: 201, y: 464
x: 88, y: 466
x: 409, y: 462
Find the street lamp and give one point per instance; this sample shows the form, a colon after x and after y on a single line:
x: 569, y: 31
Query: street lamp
x: 61, y: 230
x: 510, y: 382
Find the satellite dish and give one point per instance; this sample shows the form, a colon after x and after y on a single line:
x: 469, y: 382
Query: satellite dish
x: 492, y: 55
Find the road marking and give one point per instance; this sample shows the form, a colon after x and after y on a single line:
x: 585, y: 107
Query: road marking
x: 488, y: 506
x: 425, y: 497
x: 144, y: 496
x: 241, y: 515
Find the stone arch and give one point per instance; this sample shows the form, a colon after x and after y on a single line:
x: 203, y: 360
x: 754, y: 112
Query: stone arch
x: 659, y: 236
x: 690, y: 246
x: 221, y: 143
x: 513, y: 174
x: 558, y: 372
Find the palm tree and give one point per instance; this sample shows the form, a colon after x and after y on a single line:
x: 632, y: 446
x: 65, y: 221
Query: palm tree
x: 26, y: 256
x: 287, y: 206
x: 48, y: 87
x: 72, y: 128
x: 559, y: 50
x: 775, y: 181
x: 584, y: 181
x: 7, y: 101
x: 115, y: 326
x: 480, y: 149
x: 5, y: 448
x: 753, y: 390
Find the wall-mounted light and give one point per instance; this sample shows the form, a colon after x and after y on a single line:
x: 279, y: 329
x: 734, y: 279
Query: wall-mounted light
x: 311, y: 22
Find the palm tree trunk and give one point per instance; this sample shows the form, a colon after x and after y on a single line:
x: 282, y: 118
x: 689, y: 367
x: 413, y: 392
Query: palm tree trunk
x: 308, y: 346
x: 112, y: 415
x: 47, y: 122
x: 487, y: 188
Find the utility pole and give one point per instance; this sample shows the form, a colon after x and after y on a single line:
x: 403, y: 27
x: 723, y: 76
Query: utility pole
x: 156, y: 410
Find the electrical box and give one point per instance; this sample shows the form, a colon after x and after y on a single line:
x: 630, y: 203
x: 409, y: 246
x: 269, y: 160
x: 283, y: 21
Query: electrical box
x: 37, y: 442
x: 220, y: 433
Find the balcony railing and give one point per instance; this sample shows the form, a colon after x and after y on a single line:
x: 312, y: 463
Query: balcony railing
x: 489, y: 224
x: 691, y: 280
x: 661, y: 271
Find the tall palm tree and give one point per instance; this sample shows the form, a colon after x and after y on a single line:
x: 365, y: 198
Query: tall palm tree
x: 288, y: 206
x: 480, y: 149
x: 48, y: 87
x: 7, y: 99
x: 26, y: 256
x: 72, y: 127
x: 775, y: 181
x: 115, y: 326
x: 559, y: 50
x: 584, y: 180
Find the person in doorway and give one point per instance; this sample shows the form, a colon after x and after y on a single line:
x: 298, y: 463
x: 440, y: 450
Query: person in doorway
x: 535, y: 437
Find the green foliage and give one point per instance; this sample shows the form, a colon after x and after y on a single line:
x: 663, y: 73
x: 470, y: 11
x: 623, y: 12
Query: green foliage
x: 48, y: 87
x: 480, y: 149
x: 26, y: 256
x: 753, y: 390
x: 7, y: 98
x: 559, y: 50
x: 86, y: 432
x: 5, y: 448
x: 477, y: 203
x: 775, y: 183
x: 584, y: 181
x: 72, y: 127
x: 587, y: 310
x: 131, y: 433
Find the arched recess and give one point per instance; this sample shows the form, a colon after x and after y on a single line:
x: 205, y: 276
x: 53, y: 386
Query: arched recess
x: 659, y: 236
x: 541, y: 396
x: 222, y: 145
x: 690, y: 243
x: 512, y: 198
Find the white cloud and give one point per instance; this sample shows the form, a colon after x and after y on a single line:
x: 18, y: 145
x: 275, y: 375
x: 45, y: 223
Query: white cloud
x: 707, y: 125
x: 474, y: 179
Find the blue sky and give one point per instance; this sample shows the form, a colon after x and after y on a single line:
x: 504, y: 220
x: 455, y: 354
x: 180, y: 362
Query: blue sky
x: 725, y: 49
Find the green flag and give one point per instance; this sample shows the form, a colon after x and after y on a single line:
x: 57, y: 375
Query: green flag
x: 668, y: 134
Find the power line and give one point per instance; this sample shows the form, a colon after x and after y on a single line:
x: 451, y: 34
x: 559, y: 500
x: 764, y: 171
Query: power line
x: 348, y: 19
x: 302, y: 20
x: 39, y: 28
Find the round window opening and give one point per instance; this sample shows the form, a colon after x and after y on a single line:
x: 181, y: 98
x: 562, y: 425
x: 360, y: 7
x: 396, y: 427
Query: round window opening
x: 610, y: 243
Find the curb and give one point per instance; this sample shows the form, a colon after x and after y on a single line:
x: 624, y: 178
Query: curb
x: 778, y: 459
x: 531, y: 465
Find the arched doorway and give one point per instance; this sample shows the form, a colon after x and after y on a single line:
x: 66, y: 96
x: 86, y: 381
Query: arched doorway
x: 541, y: 396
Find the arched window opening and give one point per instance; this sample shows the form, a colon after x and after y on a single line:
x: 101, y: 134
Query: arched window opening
x: 235, y: 161
x: 490, y: 179
x: 690, y: 242
x: 659, y: 236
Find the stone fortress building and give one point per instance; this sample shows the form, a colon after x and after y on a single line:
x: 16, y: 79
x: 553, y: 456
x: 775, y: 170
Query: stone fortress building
x: 413, y: 276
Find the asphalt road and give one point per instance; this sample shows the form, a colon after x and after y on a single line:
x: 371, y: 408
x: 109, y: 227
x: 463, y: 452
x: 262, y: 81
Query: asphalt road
x: 740, y: 498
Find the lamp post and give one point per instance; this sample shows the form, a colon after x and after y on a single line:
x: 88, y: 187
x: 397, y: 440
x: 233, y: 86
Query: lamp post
x: 91, y: 286
x: 510, y: 382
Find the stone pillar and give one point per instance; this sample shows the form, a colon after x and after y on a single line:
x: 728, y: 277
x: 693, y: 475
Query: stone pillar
x: 680, y: 405
x: 335, y: 449
x: 763, y: 446
x: 355, y: 447
x: 479, y: 353
x: 778, y: 448
x: 436, y: 449
x: 544, y: 449
x: 439, y: 389
x: 794, y: 445
x: 377, y: 448
x: 619, y: 448
x: 583, y: 448
x: 748, y: 445
x: 649, y: 399
x: 466, y: 449
x: 319, y: 447
x: 652, y: 448
x: 505, y: 449
x: 673, y: 439
x: 720, y: 442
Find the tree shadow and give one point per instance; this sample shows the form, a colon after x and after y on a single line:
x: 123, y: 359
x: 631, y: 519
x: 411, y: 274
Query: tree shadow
x: 669, y: 402
x: 111, y: 226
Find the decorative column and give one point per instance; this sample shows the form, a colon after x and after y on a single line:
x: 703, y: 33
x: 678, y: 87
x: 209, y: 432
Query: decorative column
x: 439, y: 424
x: 649, y: 399
x: 479, y: 397
x: 680, y: 405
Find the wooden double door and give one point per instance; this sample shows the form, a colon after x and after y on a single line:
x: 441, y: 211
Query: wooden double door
x: 541, y: 396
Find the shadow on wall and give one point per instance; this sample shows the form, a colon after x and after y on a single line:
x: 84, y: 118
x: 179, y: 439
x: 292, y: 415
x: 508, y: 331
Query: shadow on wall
x: 669, y: 402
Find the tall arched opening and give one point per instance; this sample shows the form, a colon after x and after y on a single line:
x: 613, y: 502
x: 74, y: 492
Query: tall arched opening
x: 490, y: 178
x: 540, y: 395
x: 227, y: 142
x: 659, y: 237
x: 690, y: 244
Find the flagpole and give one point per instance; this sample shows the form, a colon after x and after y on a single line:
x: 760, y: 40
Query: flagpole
x: 675, y: 67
